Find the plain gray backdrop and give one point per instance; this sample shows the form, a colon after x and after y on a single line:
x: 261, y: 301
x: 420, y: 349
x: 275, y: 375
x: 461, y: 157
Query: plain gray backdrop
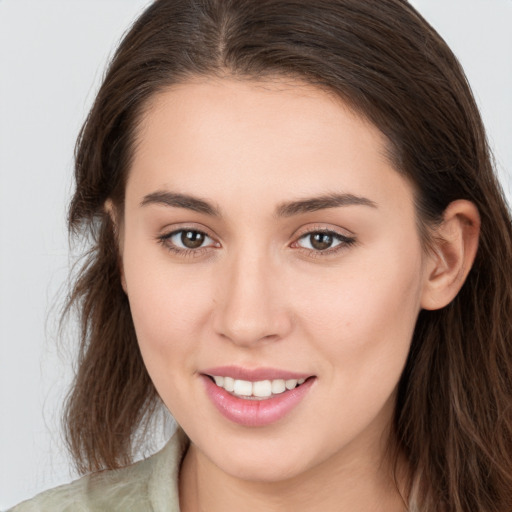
x: 52, y: 56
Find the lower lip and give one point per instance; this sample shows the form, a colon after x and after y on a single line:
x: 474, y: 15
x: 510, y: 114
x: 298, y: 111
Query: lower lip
x: 255, y: 413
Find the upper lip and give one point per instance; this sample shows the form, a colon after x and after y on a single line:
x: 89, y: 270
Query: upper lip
x: 254, y: 374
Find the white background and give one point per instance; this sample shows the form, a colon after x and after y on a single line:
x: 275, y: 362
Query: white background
x: 52, y: 56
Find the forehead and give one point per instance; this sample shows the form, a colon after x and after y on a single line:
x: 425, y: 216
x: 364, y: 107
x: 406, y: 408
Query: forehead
x: 237, y: 107
x: 225, y: 136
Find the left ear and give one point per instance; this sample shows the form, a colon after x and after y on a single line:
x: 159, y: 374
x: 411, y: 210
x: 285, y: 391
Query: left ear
x: 451, y: 256
x: 112, y: 212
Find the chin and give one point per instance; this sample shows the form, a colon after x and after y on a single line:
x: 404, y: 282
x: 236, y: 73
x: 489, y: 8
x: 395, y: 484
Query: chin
x: 265, y: 471
x: 272, y: 461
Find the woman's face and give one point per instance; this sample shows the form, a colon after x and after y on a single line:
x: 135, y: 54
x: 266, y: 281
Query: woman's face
x: 267, y: 238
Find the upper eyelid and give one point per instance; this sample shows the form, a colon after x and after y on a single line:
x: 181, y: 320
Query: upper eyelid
x: 171, y: 234
x: 168, y: 231
x: 322, y: 228
x: 344, y: 239
x: 181, y: 230
x: 326, y: 231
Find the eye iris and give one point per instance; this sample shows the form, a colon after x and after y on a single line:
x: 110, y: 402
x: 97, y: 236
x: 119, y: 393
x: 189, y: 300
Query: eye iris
x: 321, y: 241
x: 192, y: 239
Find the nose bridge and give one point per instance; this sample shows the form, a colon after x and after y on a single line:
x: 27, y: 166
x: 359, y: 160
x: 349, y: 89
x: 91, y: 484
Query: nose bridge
x: 248, y: 308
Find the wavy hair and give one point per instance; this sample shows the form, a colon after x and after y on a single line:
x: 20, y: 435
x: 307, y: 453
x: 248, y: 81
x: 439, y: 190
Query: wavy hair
x: 453, y: 417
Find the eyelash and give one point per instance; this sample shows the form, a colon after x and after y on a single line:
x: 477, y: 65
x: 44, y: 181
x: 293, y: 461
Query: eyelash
x: 165, y: 240
x: 344, y: 243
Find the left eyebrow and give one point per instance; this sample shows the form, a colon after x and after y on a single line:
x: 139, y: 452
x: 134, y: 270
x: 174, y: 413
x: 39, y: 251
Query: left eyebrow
x: 185, y: 201
x: 314, y: 204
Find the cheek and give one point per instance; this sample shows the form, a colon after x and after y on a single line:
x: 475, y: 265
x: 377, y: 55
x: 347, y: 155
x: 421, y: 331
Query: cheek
x: 359, y: 329
x: 169, y: 306
x: 363, y: 319
x: 169, y: 315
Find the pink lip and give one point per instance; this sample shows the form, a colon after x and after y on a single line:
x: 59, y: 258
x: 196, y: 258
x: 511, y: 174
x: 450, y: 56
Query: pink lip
x: 255, y: 413
x: 253, y: 375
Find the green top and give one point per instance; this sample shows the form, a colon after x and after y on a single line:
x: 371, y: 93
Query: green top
x: 147, y: 485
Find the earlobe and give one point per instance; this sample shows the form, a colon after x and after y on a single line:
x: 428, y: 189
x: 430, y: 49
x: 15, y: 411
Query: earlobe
x: 455, y: 243
x: 123, y: 279
x: 112, y: 212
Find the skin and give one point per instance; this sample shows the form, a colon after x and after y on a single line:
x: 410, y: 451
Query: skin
x: 258, y: 294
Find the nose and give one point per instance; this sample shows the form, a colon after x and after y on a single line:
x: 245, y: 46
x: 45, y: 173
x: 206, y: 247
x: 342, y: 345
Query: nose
x: 251, y: 307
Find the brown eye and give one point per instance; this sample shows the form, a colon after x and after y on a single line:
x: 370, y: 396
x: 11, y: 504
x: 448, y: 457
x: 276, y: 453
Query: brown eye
x: 321, y: 241
x: 192, y: 239
x: 187, y: 240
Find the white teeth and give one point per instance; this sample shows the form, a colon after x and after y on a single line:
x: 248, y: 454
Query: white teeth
x: 291, y: 383
x: 262, y: 388
x: 243, y: 388
x: 278, y: 386
x: 229, y: 384
x: 258, y: 389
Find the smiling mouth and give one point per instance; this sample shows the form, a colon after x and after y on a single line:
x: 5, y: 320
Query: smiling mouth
x: 258, y: 390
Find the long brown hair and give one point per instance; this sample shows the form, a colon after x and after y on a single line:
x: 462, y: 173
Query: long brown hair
x: 453, y: 419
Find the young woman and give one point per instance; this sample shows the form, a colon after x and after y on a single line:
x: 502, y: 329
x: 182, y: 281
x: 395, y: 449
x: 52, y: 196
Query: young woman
x: 301, y: 250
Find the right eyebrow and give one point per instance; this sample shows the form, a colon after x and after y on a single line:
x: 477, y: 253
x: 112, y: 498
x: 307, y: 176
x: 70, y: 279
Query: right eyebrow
x: 176, y: 200
x: 314, y: 204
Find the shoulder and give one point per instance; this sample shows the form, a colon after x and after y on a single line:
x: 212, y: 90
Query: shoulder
x: 147, y: 485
